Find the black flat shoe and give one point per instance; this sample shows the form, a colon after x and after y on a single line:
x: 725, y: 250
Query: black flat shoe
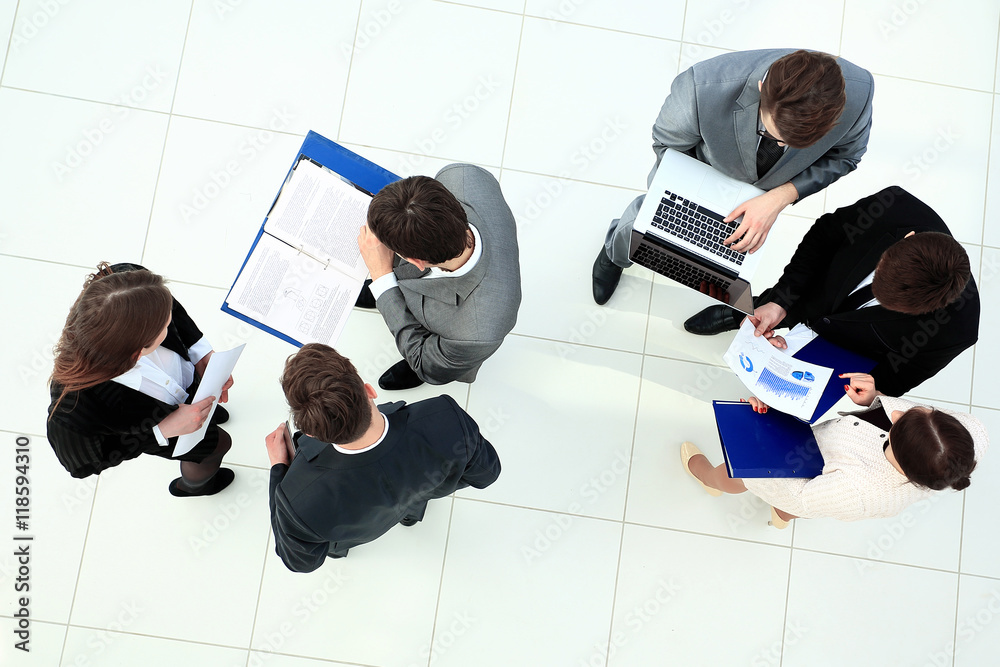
x: 714, y: 320
x: 366, y: 299
x: 408, y: 521
x: 399, y: 377
x: 221, y: 415
x: 220, y: 480
x: 606, y: 277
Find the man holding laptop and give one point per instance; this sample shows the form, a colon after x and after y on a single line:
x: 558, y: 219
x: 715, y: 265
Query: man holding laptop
x: 790, y: 123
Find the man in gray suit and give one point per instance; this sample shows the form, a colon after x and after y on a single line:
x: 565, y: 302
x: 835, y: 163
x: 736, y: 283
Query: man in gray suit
x: 788, y: 122
x: 455, y: 294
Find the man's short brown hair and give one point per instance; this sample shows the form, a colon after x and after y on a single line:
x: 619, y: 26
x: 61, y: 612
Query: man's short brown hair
x: 326, y: 394
x: 921, y: 274
x: 419, y: 218
x: 804, y: 94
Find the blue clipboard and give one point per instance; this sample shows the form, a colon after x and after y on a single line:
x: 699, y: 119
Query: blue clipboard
x: 349, y: 165
x: 773, y: 444
x: 822, y: 352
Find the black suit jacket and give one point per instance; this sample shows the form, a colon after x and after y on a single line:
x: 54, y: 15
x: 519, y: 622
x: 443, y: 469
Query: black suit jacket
x: 837, y: 253
x: 101, y: 426
x: 326, y: 502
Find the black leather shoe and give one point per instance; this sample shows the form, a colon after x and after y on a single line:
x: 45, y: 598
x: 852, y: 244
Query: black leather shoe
x: 366, y: 299
x: 606, y: 277
x: 221, y: 415
x: 714, y: 320
x: 408, y: 521
x: 400, y: 376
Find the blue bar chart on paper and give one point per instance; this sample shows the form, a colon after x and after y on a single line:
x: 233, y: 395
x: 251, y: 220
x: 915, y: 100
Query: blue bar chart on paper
x: 779, y: 386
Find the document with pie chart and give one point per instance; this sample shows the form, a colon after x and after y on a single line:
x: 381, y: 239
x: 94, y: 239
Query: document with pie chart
x: 774, y: 376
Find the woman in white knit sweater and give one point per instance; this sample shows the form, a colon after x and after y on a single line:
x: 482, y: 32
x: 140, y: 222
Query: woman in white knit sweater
x: 876, y: 462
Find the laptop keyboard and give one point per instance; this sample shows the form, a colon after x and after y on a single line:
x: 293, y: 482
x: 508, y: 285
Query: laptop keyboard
x: 685, y: 219
x: 668, y: 265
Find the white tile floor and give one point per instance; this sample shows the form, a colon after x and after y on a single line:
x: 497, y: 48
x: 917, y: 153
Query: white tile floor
x: 159, y: 132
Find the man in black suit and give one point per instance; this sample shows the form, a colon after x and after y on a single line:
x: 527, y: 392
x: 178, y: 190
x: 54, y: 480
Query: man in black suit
x: 883, y: 278
x: 388, y: 460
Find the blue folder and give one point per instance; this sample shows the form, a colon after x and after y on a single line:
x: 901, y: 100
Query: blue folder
x: 822, y: 352
x: 352, y: 167
x: 773, y: 444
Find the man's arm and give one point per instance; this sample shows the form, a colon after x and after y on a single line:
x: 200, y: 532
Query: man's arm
x: 483, y: 466
x: 435, y: 359
x: 299, y: 548
x: 677, y: 125
x: 812, y: 259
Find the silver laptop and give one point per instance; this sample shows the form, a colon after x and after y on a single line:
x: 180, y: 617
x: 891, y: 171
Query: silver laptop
x: 679, y: 230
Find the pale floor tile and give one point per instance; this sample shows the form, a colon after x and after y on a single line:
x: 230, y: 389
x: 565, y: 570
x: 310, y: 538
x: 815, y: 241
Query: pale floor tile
x: 558, y: 303
x: 564, y: 69
x: 27, y: 355
x: 742, y: 25
x: 45, y: 646
x: 664, y: 19
x: 81, y: 167
x: 876, y: 33
x: 928, y: 534
x: 13, y: 35
x: 216, y: 184
x: 985, y: 391
x: 458, y: 111
x: 293, y: 80
x: 106, y: 647
x: 979, y: 537
x: 514, y: 6
x: 547, y: 579
x: 373, y: 607
x: 977, y: 637
x: 938, y: 155
x: 561, y: 424
x: 259, y: 659
x: 155, y: 554
x: 846, y: 616
x: 692, y: 53
x: 676, y: 406
x: 668, y: 579
x: 135, y: 63
x: 59, y: 507
x: 991, y: 235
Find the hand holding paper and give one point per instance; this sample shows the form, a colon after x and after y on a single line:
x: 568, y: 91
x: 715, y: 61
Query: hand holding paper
x: 218, y: 375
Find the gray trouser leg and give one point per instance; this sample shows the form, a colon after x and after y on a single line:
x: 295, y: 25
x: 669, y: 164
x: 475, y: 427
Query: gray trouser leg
x: 619, y: 236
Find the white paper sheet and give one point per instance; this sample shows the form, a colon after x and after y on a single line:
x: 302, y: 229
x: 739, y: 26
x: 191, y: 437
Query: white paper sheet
x: 774, y: 376
x: 293, y: 293
x: 321, y: 213
x: 217, y: 373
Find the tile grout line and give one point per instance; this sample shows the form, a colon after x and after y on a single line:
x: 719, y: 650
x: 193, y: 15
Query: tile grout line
x: 788, y: 594
x: 958, y: 586
x: 166, y: 136
x: 444, y: 563
x: 350, y: 67
x: 10, y: 41
x: 79, y: 569
x: 513, y: 84
x: 628, y: 477
x: 260, y: 590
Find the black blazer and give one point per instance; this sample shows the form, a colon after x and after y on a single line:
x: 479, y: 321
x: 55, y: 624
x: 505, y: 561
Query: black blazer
x: 836, y: 254
x: 326, y: 502
x: 101, y: 426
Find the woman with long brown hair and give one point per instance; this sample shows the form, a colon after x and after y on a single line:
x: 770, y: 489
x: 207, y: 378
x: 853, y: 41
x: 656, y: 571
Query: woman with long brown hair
x: 128, y: 361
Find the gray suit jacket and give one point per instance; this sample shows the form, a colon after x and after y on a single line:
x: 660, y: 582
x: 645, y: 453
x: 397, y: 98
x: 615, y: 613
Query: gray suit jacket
x: 447, y: 327
x: 713, y: 109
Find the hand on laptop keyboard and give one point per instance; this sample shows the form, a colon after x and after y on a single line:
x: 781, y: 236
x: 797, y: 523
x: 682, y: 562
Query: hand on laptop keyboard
x: 759, y: 214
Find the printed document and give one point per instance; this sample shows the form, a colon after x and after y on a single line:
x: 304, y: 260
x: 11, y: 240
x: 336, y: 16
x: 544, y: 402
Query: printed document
x: 774, y: 376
